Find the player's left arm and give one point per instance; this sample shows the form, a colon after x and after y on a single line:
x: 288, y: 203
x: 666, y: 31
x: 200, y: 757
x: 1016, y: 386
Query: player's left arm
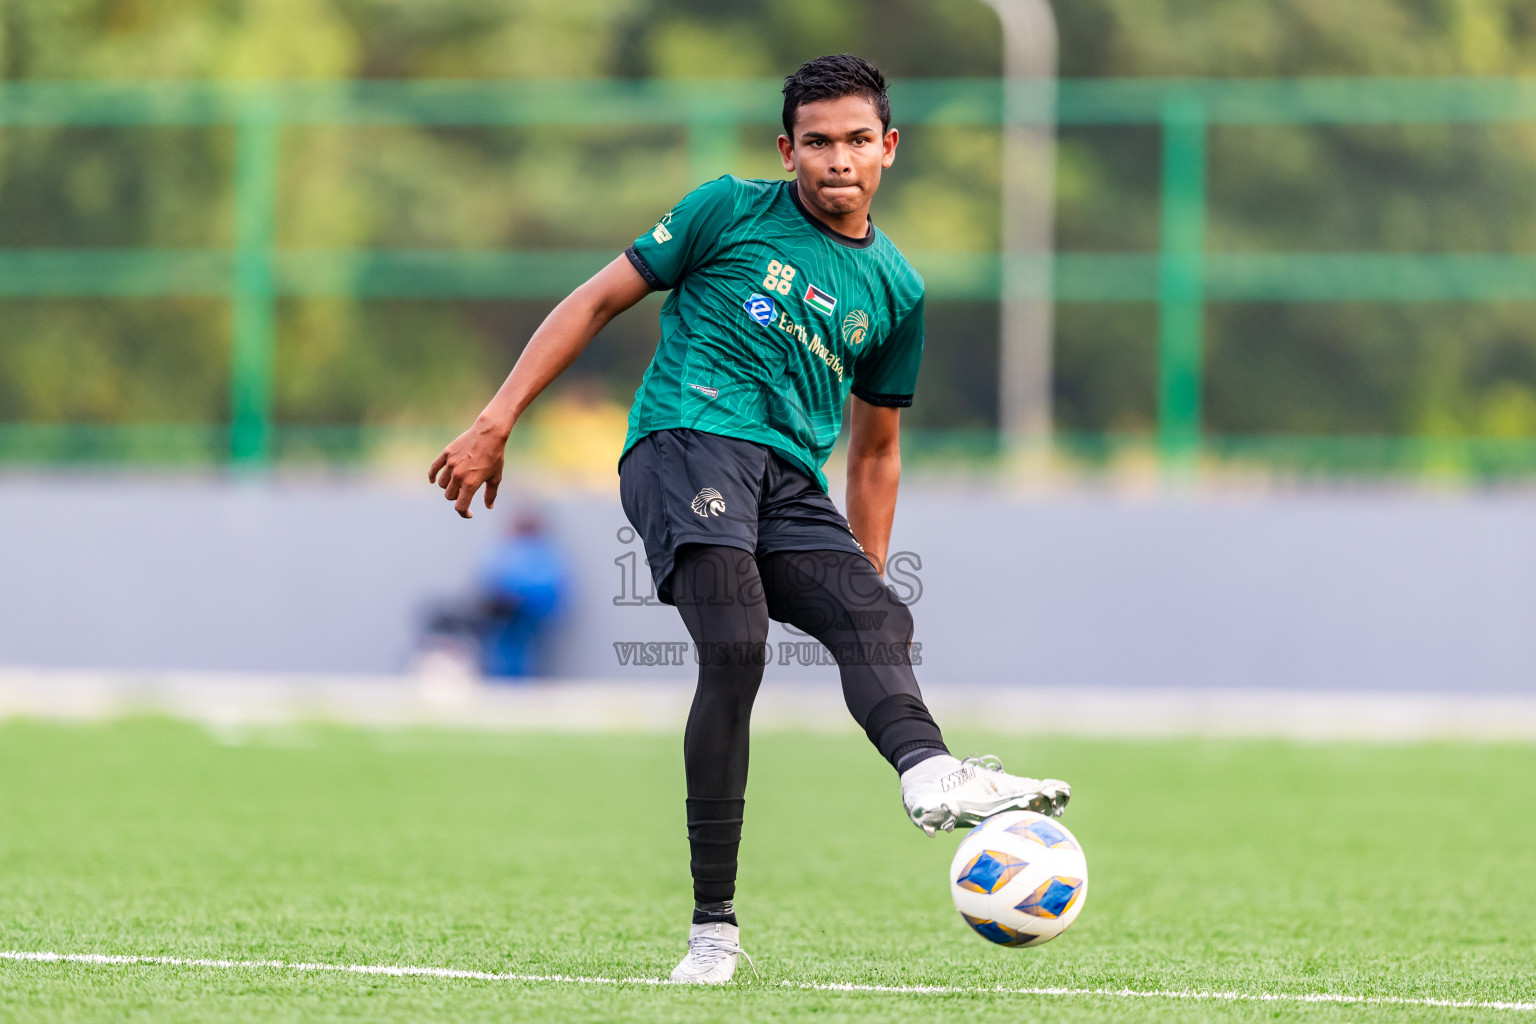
x: 874, y: 471
x: 884, y: 378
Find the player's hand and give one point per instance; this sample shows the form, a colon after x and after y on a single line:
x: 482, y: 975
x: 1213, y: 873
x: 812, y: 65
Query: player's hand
x: 475, y: 457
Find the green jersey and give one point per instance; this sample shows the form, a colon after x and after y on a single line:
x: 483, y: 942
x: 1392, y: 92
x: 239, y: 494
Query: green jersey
x: 773, y: 319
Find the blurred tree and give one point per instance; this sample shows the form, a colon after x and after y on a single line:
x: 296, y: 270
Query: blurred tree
x: 1342, y: 367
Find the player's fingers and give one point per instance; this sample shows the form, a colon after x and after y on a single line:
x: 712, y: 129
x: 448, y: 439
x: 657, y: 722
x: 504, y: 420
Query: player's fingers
x: 491, y: 486
x: 437, y: 466
x: 451, y: 485
x: 466, y: 495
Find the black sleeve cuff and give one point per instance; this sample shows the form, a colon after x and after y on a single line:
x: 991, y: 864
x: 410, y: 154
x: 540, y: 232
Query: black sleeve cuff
x: 875, y: 398
x: 638, y: 262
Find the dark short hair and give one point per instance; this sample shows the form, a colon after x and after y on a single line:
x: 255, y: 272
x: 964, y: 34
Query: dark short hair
x: 831, y: 78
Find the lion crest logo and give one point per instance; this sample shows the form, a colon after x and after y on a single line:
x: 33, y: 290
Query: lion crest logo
x: 708, y: 502
x: 855, y: 327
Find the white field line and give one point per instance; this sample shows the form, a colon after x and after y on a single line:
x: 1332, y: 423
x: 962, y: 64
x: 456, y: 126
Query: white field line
x: 105, y: 960
x: 1132, y: 993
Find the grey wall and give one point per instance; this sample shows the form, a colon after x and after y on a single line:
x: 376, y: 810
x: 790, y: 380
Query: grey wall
x: 1402, y: 591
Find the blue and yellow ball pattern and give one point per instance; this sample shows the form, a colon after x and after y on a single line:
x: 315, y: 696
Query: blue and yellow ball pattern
x: 989, y: 871
x: 1019, y: 879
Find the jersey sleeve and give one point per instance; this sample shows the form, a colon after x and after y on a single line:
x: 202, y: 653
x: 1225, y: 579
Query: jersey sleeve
x: 888, y: 374
x: 686, y: 236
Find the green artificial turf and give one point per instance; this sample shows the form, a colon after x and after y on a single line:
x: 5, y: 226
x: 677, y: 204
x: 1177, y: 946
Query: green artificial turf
x: 1253, y: 867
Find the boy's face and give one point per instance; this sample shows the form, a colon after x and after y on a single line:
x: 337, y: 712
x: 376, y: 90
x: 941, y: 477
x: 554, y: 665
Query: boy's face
x: 837, y: 153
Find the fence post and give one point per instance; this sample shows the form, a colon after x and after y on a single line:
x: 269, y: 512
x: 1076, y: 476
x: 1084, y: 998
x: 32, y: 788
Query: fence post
x: 253, y: 313
x: 1181, y: 283
x: 1027, y: 311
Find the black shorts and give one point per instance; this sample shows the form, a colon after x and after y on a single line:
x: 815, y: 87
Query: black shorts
x: 684, y: 486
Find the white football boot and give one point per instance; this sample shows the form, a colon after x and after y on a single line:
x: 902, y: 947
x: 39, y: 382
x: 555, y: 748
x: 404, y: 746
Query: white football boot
x: 712, y: 952
x: 944, y: 792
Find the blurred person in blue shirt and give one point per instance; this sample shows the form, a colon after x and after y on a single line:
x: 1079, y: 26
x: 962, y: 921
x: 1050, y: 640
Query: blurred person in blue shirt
x: 522, y: 587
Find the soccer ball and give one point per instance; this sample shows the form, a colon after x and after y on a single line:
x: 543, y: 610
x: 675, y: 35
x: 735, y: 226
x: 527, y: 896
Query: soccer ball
x: 1019, y: 878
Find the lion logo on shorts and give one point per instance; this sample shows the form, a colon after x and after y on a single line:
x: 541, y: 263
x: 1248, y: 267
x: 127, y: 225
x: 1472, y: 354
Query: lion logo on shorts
x: 708, y: 502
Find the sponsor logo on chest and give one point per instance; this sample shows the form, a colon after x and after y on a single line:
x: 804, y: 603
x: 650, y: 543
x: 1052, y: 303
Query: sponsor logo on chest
x: 761, y: 309
x: 812, y: 343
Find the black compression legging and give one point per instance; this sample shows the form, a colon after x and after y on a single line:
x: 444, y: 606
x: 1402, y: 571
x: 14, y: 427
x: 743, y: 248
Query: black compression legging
x: 726, y: 598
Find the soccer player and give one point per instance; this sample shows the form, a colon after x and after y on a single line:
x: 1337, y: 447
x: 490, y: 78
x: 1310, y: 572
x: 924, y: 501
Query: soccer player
x: 784, y: 300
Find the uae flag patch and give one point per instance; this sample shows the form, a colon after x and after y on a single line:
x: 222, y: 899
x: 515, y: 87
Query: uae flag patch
x: 819, y: 299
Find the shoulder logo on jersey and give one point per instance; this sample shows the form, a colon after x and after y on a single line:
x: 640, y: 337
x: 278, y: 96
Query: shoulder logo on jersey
x: 761, y: 309
x: 855, y: 327
x: 819, y: 300
x: 708, y: 502
x: 706, y: 392
x: 660, y: 232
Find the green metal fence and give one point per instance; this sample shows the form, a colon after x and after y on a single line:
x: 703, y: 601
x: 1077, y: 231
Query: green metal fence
x: 1181, y: 277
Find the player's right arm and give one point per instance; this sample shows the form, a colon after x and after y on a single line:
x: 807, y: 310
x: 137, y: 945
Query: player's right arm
x: 476, y: 456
